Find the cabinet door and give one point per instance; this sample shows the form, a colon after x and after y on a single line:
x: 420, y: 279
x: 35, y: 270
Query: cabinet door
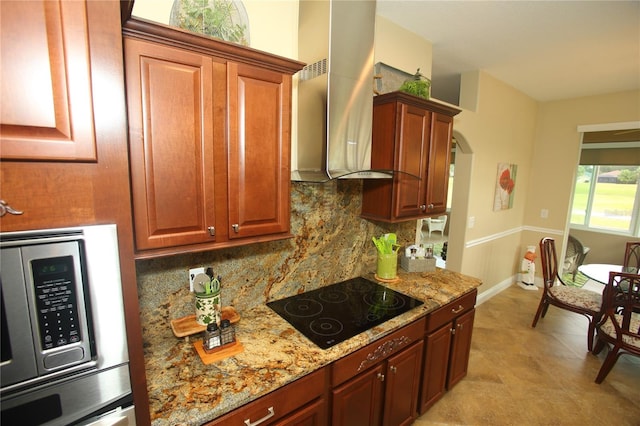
x: 439, y: 160
x: 259, y: 151
x: 460, y: 348
x: 403, y: 385
x: 46, y: 106
x: 358, y: 402
x: 171, y: 125
x: 436, y: 361
x: 314, y: 414
x: 411, y: 152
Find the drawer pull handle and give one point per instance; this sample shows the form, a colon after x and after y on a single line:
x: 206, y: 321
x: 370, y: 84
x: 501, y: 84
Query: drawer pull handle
x: 270, y: 414
x: 6, y: 208
x: 457, y: 311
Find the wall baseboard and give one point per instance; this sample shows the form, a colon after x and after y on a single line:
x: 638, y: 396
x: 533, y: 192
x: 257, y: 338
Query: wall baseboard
x: 498, y: 288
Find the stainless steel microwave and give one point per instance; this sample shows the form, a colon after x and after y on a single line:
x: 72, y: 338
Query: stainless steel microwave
x: 63, y: 331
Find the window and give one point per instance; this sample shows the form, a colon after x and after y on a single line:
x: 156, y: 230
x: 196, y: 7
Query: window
x: 607, y: 198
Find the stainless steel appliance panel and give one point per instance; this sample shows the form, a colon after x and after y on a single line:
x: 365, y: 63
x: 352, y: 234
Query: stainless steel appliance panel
x: 64, y: 342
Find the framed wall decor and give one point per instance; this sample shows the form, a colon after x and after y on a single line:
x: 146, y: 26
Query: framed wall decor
x: 505, y: 186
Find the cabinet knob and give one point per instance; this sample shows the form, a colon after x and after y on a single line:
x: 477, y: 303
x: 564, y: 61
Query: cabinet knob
x: 212, y: 231
x: 423, y: 207
x: 393, y: 369
x: 6, y: 208
x: 235, y: 227
x: 381, y: 377
x: 430, y: 206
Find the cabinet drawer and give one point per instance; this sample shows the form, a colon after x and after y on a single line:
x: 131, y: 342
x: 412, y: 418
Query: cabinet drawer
x: 370, y: 355
x: 448, y: 312
x: 278, y: 403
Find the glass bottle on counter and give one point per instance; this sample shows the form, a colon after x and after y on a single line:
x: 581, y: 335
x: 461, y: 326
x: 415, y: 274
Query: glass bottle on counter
x: 211, y: 339
x: 227, y: 334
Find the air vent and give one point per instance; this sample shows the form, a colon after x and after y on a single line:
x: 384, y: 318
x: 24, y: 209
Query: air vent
x: 314, y: 70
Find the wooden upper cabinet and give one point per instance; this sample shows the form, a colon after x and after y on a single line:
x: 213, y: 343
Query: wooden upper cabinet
x: 209, y: 130
x: 46, y: 108
x: 171, y: 128
x: 259, y: 134
x: 439, y: 161
x: 412, y: 153
x: 413, y: 137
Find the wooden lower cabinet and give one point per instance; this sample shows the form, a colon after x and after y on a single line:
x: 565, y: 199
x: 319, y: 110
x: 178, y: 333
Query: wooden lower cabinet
x: 313, y: 414
x: 384, y: 395
x: 447, y: 347
x: 402, y: 386
x: 359, y: 401
x: 298, y: 403
x: 387, y: 383
x: 379, y: 384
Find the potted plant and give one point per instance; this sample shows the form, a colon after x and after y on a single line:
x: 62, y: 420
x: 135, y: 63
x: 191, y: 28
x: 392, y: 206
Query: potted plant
x: 419, y: 85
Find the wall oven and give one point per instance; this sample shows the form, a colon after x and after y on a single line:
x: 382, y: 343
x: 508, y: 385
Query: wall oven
x: 64, y: 348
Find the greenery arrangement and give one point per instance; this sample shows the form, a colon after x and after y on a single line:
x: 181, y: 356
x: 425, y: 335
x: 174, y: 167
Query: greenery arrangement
x: 214, y: 18
x: 418, y: 85
x: 386, y: 244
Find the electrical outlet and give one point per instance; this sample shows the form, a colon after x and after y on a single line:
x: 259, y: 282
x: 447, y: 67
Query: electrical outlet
x: 544, y: 213
x: 193, y: 272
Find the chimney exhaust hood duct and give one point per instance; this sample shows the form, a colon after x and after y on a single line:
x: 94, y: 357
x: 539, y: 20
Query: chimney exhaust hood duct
x: 335, y: 91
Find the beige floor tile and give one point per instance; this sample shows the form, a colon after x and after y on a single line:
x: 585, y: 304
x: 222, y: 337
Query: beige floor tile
x: 519, y: 375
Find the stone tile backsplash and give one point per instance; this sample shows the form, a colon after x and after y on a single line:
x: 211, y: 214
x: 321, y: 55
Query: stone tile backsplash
x: 330, y: 243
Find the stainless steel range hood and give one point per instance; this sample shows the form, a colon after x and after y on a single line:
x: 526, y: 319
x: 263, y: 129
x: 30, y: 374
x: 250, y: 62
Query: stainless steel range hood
x: 335, y: 91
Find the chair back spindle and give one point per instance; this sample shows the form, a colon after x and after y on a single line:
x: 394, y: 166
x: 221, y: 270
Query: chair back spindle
x: 632, y: 256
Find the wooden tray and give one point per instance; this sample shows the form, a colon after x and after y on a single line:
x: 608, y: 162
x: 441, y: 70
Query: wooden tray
x: 222, y: 353
x: 186, y: 326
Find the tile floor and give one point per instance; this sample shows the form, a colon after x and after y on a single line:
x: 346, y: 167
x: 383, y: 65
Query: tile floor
x: 520, y: 375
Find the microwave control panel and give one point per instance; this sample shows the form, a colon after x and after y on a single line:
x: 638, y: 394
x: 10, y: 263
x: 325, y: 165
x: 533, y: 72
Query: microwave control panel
x: 55, y: 284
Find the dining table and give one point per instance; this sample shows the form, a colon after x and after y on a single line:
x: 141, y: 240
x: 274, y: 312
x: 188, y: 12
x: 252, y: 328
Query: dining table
x: 600, y: 271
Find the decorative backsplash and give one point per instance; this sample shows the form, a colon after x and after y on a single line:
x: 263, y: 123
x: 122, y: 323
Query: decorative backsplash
x: 331, y: 243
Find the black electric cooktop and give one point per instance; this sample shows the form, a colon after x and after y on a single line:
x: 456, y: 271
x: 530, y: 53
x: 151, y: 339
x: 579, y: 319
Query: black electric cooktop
x: 332, y: 314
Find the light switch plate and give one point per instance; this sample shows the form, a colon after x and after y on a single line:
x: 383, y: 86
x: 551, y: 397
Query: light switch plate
x: 193, y: 272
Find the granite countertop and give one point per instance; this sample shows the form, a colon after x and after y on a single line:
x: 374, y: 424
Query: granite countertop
x: 183, y: 390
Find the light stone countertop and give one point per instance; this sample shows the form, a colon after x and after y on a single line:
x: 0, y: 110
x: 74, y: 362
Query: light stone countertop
x: 183, y: 390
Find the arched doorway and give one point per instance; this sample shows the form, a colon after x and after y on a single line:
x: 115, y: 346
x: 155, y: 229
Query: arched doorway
x: 459, y: 202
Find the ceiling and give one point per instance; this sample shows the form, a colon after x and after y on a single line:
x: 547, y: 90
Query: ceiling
x: 549, y: 50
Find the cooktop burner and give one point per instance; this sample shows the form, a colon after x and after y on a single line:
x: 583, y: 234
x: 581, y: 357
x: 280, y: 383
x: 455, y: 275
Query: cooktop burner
x: 332, y: 314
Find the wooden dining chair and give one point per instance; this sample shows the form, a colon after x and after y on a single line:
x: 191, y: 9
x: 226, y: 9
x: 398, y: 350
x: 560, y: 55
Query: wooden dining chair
x: 632, y: 255
x: 620, y: 323
x: 574, y: 256
x: 557, y: 293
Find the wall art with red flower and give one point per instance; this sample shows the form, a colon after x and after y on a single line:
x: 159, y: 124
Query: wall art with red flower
x: 505, y: 186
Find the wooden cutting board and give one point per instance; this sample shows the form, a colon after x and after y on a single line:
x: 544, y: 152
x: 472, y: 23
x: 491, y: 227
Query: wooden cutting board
x: 186, y: 326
